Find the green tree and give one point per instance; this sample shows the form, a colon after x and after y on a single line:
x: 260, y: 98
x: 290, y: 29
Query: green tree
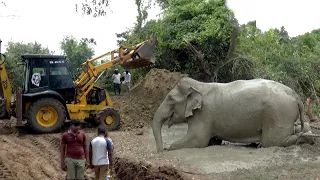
x: 292, y: 61
x: 13, y: 54
x: 205, y: 24
x: 77, y: 52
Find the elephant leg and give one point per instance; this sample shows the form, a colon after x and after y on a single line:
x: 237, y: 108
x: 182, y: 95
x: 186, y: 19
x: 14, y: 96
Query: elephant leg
x: 194, y: 138
x: 281, y: 140
x: 276, y: 137
x: 278, y: 126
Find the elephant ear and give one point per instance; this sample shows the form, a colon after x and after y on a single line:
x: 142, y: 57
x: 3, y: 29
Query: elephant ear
x: 194, y: 101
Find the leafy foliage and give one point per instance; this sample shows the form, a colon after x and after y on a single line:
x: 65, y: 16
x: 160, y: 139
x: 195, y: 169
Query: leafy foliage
x: 204, y: 24
x: 77, y: 52
x: 13, y: 54
x: 207, y: 25
x: 292, y: 61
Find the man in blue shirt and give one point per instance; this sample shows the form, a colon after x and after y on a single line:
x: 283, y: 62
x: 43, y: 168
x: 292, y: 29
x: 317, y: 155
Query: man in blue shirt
x: 100, y: 154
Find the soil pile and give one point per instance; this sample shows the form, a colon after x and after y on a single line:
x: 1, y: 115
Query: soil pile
x: 138, y: 107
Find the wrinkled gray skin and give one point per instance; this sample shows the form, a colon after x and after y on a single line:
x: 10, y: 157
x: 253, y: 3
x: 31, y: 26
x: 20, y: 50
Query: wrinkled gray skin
x: 243, y: 111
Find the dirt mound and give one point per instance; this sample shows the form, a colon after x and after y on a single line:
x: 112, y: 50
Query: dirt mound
x: 127, y: 170
x: 138, y: 107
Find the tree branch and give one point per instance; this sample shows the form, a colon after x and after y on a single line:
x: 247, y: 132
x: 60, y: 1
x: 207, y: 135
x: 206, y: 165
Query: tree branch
x: 200, y: 63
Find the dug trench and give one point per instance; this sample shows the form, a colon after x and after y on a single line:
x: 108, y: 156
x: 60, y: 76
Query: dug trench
x: 26, y: 156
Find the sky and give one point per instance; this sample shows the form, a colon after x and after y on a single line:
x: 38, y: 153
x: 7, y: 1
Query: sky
x: 47, y: 21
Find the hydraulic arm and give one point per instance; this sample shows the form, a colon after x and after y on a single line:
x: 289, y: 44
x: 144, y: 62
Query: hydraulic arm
x: 129, y: 56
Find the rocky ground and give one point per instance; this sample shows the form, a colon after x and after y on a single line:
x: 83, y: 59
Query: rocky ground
x: 26, y: 156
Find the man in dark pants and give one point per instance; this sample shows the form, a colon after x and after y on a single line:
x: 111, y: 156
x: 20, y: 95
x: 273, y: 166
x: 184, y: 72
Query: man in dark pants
x: 116, y: 78
x: 74, y: 152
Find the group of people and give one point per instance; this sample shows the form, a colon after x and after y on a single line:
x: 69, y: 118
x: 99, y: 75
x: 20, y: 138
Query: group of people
x: 119, y: 79
x: 76, y: 156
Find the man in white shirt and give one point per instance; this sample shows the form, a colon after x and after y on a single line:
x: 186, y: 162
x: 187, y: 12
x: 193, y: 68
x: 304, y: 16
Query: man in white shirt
x: 127, y: 79
x: 100, y: 154
x: 116, y: 81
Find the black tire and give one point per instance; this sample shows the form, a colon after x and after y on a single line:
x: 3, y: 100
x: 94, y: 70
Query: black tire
x: 103, y: 114
x: 37, y: 105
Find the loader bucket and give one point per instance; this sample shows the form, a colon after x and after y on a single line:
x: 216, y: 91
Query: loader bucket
x: 143, y: 56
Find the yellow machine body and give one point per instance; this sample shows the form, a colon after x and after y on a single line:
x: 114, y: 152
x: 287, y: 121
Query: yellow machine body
x: 46, y: 109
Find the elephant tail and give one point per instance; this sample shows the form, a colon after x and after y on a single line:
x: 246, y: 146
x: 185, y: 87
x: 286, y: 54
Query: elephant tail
x: 301, y: 112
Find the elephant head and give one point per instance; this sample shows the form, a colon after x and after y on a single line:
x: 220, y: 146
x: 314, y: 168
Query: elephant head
x: 179, y: 104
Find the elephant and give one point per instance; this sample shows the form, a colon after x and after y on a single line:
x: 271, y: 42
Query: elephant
x: 242, y: 111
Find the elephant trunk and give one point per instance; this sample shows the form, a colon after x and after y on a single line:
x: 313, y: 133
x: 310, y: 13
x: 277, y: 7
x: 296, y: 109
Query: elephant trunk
x: 159, y: 118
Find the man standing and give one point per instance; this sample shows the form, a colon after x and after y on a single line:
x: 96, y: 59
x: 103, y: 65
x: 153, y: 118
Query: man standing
x: 100, y: 154
x: 127, y: 79
x: 116, y: 81
x: 74, y: 153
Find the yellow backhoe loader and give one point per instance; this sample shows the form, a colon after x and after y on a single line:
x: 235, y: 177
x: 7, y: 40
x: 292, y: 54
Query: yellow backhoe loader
x: 50, y: 97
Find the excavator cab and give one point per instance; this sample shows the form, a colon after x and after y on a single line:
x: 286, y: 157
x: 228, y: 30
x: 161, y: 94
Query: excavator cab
x: 48, y: 85
x: 47, y: 73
